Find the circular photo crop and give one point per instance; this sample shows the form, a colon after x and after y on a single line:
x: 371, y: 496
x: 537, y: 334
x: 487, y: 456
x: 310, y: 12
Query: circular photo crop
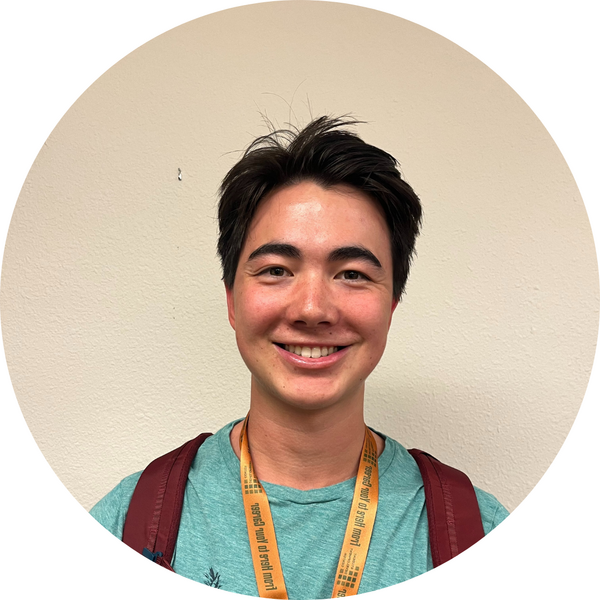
x: 124, y: 340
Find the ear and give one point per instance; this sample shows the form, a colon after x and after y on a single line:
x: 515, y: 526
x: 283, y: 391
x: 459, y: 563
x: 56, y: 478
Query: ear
x: 394, y: 304
x: 230, y: 307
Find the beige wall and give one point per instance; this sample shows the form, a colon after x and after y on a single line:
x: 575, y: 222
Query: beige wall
x: 113, y: 312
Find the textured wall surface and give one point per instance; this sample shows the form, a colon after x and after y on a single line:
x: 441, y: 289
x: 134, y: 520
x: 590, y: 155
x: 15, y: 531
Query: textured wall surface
x: 113, y: 312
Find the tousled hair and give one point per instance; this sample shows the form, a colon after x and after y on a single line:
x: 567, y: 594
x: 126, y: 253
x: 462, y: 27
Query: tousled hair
x: 326, y: 153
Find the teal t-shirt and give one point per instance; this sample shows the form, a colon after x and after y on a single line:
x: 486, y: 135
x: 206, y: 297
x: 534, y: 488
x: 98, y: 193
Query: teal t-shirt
x: 213, y: 548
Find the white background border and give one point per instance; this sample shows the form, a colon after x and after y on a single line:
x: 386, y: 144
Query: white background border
x: 52, y: 51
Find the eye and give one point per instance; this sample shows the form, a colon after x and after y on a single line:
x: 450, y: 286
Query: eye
x: 275, y: 272
x: 353, y: 276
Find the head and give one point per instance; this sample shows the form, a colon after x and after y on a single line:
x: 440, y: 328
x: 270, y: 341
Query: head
x: 328, y: 154
x: 317, y: 232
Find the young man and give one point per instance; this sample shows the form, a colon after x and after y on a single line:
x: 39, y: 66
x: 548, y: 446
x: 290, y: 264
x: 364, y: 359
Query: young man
x: 317, y: 230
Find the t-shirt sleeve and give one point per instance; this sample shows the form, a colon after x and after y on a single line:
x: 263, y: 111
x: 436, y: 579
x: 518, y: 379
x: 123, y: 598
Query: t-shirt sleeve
x: 111, y: 511
x: 492, y: 512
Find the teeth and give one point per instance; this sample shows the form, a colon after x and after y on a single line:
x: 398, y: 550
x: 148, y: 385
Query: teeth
x: 311, y: 352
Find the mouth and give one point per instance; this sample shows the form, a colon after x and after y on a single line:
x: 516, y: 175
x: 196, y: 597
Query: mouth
x: 311, y: 351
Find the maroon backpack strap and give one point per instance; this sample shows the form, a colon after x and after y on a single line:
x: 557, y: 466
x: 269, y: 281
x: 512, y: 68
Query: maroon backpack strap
x: 452, y: 508
x: 152, y: 520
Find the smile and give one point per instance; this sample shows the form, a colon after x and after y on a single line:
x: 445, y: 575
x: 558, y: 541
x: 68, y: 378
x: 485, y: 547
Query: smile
x: 311, y: 351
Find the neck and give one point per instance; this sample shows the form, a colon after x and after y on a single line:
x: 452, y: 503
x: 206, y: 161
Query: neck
x: 304, y: 449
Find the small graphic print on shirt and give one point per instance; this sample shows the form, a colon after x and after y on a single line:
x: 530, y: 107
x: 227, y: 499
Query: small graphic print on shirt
x: 212, y: 578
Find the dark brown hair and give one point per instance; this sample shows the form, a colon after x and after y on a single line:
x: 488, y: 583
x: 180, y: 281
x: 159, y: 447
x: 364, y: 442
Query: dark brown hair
x: 326, y: 153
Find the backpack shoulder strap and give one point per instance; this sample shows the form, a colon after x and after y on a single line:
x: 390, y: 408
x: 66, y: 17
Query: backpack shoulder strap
x: 152, y: 520
x: 452, y: 509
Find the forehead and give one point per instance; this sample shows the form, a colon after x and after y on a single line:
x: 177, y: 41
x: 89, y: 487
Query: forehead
x: 307, y: 214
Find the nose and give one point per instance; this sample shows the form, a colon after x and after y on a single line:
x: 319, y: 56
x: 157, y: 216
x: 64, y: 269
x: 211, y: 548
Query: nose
x: 313, y: 303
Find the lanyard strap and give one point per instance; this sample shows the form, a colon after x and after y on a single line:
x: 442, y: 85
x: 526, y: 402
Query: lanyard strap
x: 360, y: 522
x: 261, y: 531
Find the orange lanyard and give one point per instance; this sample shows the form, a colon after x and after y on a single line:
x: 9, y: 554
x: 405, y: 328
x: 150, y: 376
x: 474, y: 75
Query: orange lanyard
x: 261, y: 532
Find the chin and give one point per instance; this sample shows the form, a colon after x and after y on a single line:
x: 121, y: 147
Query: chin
x: 309, y: 405
x: 304, y: 399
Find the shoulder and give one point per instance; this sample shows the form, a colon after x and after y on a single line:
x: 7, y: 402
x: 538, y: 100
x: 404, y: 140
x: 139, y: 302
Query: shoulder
x: 492, y: 511
x: 403, y: 469
x: 111, y: 510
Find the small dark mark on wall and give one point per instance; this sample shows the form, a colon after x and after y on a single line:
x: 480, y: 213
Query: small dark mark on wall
x: 179, y: 176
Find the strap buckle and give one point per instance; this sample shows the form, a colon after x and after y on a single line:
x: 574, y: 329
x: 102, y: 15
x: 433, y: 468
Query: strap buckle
x: 151, y: 555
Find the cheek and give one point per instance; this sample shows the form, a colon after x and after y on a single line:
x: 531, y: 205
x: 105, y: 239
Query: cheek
x: 257, y: 311
x: 369, y: 313
x: 371, y: 318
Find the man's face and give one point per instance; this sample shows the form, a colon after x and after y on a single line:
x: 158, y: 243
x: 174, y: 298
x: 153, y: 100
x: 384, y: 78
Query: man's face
x: 315, y: 273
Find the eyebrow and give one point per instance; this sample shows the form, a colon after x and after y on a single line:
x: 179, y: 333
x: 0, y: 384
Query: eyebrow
x: 354, y: 252
x: 279, y: 249
x: 342, y: 253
